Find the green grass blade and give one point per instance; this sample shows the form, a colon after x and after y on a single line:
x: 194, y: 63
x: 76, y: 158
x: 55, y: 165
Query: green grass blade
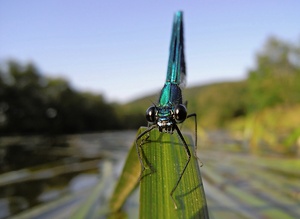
x: 166, y: 157
x: 127, y: 181
x: 88, y: 208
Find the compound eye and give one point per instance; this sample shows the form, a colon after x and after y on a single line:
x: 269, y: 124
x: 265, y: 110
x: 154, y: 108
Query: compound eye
x: 180, y: 113
x: 150, y: 114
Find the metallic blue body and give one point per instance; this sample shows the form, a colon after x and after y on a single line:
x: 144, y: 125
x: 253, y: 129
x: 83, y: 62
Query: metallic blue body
x: 171, y: 92
x: 170, y: 111
x: 176, y: 66
x: 171, y: 95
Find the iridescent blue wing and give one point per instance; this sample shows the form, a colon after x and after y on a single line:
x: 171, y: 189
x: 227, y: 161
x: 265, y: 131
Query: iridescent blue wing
x: 176, y: 68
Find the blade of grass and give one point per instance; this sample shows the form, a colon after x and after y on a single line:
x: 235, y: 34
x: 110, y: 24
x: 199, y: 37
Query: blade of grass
x: 127, y: 181
x: 166, y: 157
x: 94, y: 200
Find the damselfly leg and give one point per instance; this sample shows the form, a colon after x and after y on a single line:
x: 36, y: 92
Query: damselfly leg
x: 194, y: 115
x: 139, y: 147
x: 188, y: 153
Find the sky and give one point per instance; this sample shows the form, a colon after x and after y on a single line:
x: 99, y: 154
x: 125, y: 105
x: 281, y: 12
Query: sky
x: 120, y: 48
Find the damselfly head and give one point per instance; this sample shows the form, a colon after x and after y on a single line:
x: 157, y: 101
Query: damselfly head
x: 166, y: 117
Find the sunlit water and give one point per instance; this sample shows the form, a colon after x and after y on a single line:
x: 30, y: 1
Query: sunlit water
x: 38, y: 170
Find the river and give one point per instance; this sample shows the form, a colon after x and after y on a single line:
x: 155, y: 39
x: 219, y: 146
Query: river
x: 48, y: 177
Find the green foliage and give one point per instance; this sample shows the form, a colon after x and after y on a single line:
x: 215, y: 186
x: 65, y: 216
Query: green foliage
x: 218, y: 103
x: 275, y: 79
x: 127, y: 182
x: 33, y: 104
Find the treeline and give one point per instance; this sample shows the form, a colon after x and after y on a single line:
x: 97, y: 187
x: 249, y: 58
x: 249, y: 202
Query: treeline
x: 31, y: 103
x: 273, y: 81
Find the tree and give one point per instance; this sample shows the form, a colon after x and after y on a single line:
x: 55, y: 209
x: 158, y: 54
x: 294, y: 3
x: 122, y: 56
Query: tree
x: 33, y: 104
x: 275, y: 78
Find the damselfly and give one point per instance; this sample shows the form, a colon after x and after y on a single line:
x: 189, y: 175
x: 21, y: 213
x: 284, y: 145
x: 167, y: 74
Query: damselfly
x: 170, y: 110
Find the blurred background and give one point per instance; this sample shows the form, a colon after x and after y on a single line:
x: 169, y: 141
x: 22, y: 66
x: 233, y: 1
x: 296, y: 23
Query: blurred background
x: 77, y: 76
